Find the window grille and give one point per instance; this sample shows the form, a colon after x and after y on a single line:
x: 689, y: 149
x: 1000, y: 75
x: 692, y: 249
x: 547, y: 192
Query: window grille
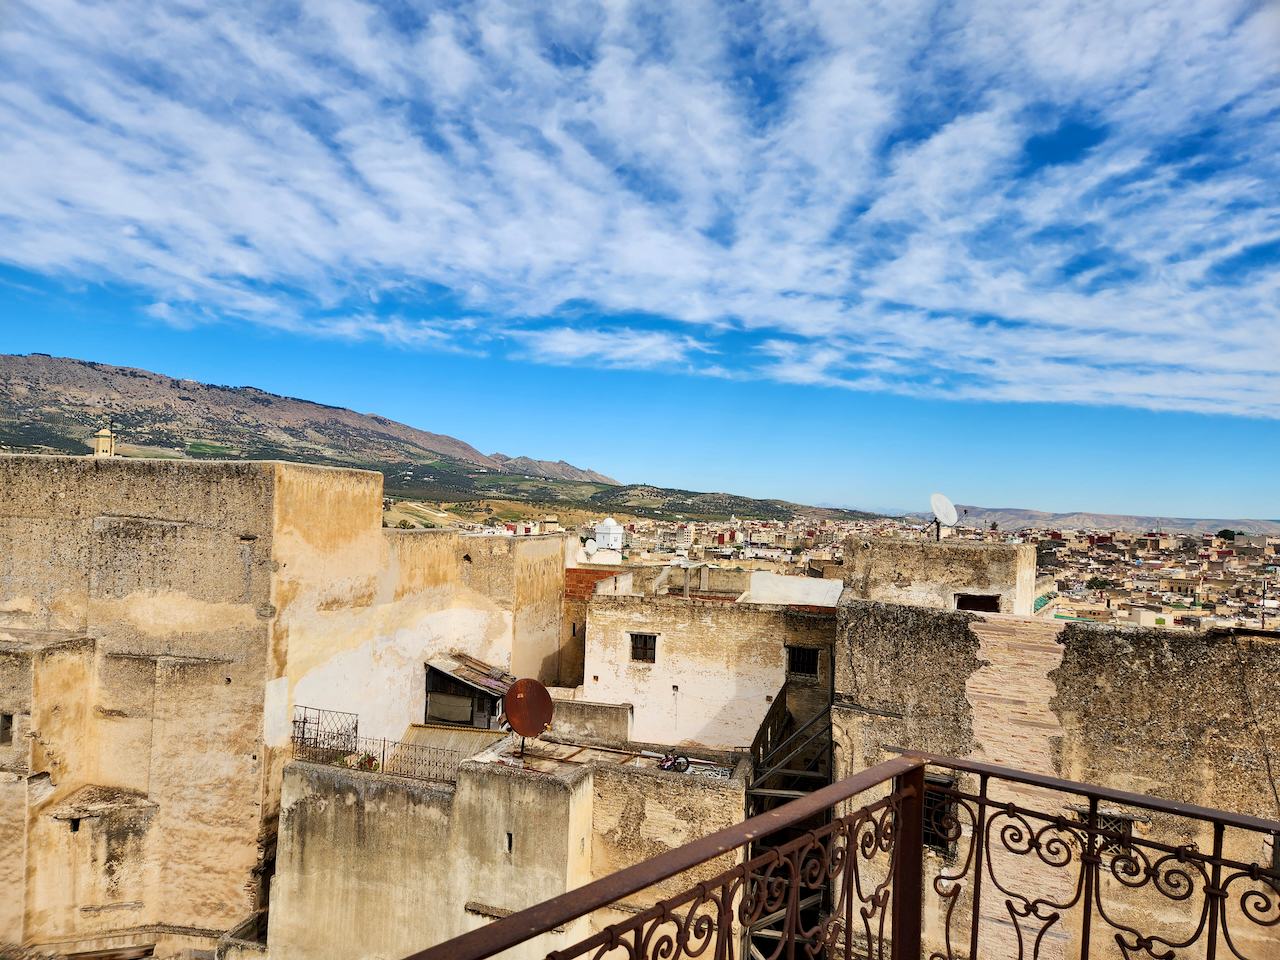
x: 802, y: 661
x: 1116, y: 823
x: 644, y: 647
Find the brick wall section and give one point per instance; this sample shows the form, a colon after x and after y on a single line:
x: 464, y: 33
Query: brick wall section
x: 579, y: 583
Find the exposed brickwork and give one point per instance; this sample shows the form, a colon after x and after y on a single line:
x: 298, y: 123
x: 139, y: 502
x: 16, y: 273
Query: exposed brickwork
x: 579, y: 584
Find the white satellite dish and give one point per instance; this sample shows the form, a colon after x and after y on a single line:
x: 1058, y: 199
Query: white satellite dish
x: 944, y: 510
x: 590, y: 547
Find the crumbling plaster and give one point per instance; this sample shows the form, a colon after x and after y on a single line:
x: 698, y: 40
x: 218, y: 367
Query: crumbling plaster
x: 373, y: 866
x: 716, y: 669
x: 1169, y: 714
x: 158, y: 622
x: 930, y: 573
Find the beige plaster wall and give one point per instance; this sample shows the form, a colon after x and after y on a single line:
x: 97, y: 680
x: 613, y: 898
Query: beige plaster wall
x: 641, y: 814
x: 372, y: 866
x: 158, y: 622
x: 716, y: 664
x: 164, y: 567
x: 539, y: 591
x: 930, y: 573
x: 380, y: 867
x: 361, y: 866
x: 13, y: 854
x: 359, y: 643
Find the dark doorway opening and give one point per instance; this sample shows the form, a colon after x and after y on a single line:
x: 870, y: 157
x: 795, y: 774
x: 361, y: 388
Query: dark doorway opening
x: 979, y: 603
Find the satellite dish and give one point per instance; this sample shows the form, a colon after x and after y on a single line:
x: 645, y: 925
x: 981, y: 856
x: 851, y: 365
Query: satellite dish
x: 944, y: 510
x: 528, y: 708
x: 590, y: 547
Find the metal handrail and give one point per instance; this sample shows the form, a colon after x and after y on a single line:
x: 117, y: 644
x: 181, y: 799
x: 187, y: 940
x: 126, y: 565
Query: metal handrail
x: 894, y: 822
x: 767, y: 758
x: 558, y: 911
x: 1172, y: 807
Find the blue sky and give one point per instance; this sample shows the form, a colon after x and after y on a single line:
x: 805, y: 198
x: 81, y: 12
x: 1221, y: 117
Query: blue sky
x: 1028, y: 254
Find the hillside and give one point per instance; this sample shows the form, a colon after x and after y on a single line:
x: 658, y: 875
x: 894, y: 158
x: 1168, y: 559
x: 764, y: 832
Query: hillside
x: 1011, y: 518
x: 55, y: 404
x: 552, y: 471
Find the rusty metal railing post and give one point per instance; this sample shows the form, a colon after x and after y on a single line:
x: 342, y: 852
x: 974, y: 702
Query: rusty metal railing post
x: 1217, y: 896
x: 979, y: 837
x: 908, y: 865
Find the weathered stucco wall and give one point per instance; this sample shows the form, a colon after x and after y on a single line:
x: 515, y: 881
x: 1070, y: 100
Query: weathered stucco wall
x: 357, y: 865
x: 539, y: 590
x: 361, y: 612
x: 641, y: 814
x: 1162, y: 713
x: 609, y: 722
x: 373, y: 866
x: 136, y: 590
x: 930, y: 573
x: 716, y: 664
x: 159, y: 621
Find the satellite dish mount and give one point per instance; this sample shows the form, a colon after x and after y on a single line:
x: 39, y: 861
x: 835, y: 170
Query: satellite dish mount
x: 529, y: 709
x: 944, y: 514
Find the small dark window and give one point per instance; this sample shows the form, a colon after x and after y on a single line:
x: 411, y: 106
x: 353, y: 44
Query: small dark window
x: 1112, y: 823
x: 644, y: 647
x: 802, y: 661
x: 509, y: 839
x: 940, y: 824
x: 75, y: 824
x: 979, y: 603
x: 6, y: 728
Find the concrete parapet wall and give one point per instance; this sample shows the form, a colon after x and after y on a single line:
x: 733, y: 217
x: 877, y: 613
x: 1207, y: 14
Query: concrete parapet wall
x: 609, y: 722
x: 929, y: 573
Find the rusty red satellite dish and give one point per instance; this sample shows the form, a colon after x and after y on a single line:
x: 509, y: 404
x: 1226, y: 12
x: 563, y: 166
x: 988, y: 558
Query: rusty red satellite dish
x: 528, y: 708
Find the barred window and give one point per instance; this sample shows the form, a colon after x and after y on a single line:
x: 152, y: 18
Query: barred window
x: 802, y: 661
x: 644, y: 647
x: 1116, y: 823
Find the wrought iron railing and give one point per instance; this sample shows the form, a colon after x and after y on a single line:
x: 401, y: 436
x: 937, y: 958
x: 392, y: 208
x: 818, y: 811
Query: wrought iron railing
x: 313, y: 725
x: 976, y: 861
x: 330, y: 737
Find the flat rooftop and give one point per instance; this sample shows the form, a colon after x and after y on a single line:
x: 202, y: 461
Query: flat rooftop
x: 563, y: 758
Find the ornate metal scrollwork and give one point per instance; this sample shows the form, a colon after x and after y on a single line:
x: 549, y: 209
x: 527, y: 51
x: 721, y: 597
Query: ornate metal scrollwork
x: 710, y: 918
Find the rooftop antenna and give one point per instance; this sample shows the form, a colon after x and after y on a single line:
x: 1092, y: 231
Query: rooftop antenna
x: 944, y: 514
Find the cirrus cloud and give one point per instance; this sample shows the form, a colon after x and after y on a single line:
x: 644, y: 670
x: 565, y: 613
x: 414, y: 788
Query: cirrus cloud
x: 1011, y: 201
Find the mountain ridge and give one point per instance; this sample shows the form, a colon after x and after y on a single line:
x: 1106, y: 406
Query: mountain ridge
x: 1013, y: 518
x: 57, y: 403
x: 553, y: 471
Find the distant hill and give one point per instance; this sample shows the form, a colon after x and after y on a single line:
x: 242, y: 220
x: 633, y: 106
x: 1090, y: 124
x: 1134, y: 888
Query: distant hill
x: 55, y: 404
x: 1011, y: 518
x: 552, y: 471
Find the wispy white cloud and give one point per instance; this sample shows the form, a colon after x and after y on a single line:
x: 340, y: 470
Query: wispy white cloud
x: 1073, y: 201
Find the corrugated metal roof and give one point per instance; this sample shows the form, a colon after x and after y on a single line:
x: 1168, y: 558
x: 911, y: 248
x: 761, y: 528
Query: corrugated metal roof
x: 466, y: 740
x: 475, y: 673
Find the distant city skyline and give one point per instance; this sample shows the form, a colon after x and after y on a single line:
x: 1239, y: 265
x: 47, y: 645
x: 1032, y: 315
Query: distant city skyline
x: 1026, y: 255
